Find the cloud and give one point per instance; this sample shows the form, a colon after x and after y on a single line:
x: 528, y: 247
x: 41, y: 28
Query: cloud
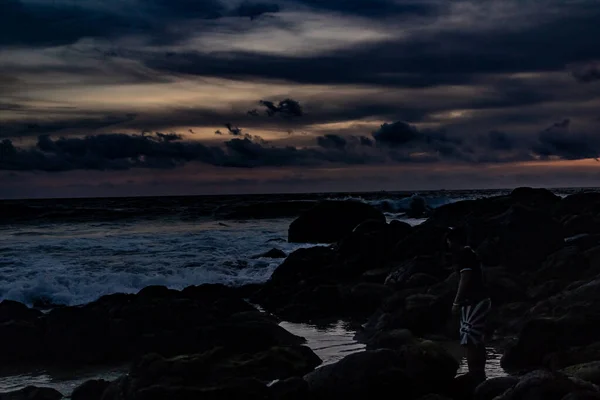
x: 255, y: 10
x: 332, y: 142
x: 376, y: 8
x: 63, y: 22
x: 287, y: 108
x: 587, y: 73
x: 559, y: 141
x: 37, y: 127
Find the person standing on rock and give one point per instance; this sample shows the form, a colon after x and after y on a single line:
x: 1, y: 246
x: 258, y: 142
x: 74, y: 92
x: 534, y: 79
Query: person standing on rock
x: 472, y: 301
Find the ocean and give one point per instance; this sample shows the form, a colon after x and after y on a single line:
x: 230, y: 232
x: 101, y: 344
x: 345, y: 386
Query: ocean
x: 70, y: 252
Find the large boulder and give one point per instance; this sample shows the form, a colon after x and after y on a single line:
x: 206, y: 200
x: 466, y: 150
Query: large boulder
x: 370, y: 243
x: 15, y: 311
x: 545, y: 385
x: 32, y: 393
x: 411, y: 371
x: 119, y: 327
x: 330, y: 221
x: 493, y: 387
x: 578, y: 204
x: 519, y: 239
x: 90, y: 390
x: 218, y: 373
x: 589, y: 371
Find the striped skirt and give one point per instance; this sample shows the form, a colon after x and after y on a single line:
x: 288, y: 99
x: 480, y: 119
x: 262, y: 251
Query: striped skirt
x: 472, y: 322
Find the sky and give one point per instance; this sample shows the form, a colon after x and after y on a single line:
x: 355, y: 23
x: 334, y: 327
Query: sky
x: 175, y: 97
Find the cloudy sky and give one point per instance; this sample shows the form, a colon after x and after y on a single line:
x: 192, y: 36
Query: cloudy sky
x: 147, y: 97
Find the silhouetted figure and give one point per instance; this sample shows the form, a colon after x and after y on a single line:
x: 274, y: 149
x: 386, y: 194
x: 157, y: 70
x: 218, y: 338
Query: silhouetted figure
x: 472, y: 301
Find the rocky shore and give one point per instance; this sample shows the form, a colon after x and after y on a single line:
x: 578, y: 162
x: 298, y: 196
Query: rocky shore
x: 542, y: 263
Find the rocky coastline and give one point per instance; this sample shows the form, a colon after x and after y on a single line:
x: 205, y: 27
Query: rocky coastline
x: 541, y: 255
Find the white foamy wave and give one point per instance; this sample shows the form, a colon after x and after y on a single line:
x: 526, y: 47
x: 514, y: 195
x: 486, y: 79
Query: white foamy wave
x: 62, y: 265
x: 398, y: 205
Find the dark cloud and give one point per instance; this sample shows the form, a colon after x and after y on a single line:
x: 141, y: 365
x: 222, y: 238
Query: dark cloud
x: 287, y: 108
x: 376, y: 8
x: 121, y: 151
x: 559, y: 141
x: 396, y: 142
x: 255, y: 10
x: 498, y: 140
x: 365, y: 141
x: 56, y: 23
x: 332, y: 142
x: 587, y: 73
x: 432, y: 58
x: 33, y: 127
x: 61, y: 22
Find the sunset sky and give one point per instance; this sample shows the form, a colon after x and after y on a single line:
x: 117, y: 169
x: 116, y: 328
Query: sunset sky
x: 160, y: 97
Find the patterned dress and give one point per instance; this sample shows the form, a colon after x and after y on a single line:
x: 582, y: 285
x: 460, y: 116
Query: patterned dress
x: 475, y: 304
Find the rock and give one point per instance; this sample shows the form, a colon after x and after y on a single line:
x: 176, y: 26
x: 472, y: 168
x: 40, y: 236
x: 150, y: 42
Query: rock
x: 417, y: 207
x: 519, y: 239
x: 290, y: 389
x: 565, y: 265
x: 119, y: 327
x: 535, y: 198
x: 537, y: 339
x: 273, y: 253
x: 14, y: 311
x: 491, y: 388
x: 578, y: 204
x: 240, y: 389
x: 90, y: 390
x: 367, y: 296
x: 422, y: 265
x: 330, y: 221
x: 582, y: 395
x: 423, y: 240
x: 413, y: 370
x: 32, y: 393
x: 393, y: 339
x: 303, y: 264
x: 545, y: 385
x: 369, y: 244
x: 588, y: 372
x: 573, y: 356
x: 574, y: 225
x: 218, y: 373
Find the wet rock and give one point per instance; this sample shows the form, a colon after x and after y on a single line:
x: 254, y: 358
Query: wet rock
x: 545, y: 385
x: 578, y: 204
x: 573, y: 356
x: 491, y: 388
x: 535, y: 198
x: 330, y: 221
x: 519, y: 239
x: 413, y: 370
x: 369, y: 244
x: 393, y: 339
x: 290, y: 389
x: 566, y: 265
x: 90, y: 390
x: 273, y: 253
x: 14, y: 311
x: 32, y: 393
x: 120, y: 327
x: 582, y: 395
x: 218, y: 373
x: 417, y: 207
x: 588, y: 371
x: 420, y: 266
